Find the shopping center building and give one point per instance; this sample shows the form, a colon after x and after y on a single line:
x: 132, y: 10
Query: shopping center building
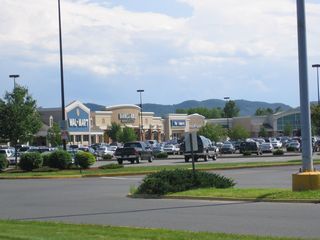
x: 87, y: 127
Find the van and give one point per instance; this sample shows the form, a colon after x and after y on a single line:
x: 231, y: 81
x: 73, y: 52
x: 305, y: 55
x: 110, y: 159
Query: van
x: 206, y: 150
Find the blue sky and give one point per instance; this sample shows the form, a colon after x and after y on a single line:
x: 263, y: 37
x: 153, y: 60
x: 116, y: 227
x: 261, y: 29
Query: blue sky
x: 174, y: 50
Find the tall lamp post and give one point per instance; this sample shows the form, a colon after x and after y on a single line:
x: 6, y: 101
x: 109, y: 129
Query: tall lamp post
x: 227, y: 99
x: 140, y: 91
x: 64, y: 142
x: 317, y: 67
x: 14, y: 76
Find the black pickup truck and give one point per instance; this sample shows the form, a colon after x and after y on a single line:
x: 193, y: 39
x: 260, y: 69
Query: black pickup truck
x: 134, y: 152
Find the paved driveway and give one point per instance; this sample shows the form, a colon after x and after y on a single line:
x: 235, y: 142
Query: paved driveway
x: 103, y: 201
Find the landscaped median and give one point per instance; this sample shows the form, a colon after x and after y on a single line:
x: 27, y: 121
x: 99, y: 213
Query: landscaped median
x: 139, y: 170
x: 250, y: 194
x: 28, y: 230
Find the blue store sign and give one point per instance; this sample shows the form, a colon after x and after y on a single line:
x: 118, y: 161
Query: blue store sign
x: 78, y: 120
x: 178, y: 123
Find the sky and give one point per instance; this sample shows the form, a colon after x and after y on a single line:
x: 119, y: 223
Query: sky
x: 175, y: 50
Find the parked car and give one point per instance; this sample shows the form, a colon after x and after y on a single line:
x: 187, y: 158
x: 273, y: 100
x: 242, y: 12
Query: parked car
x: 171, y: 149
x: 276, y: 144
x: 227, y: 148
x: 252, y: 147
x: 266, y: 147
x: 6, y: 152
x: 134, y: 152
x: 104, y: 150
x: 206, y: 150
x: 293, y: 146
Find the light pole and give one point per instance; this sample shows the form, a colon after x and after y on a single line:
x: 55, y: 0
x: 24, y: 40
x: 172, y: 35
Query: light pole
x: 14, y: 76
x: 317, y: 67
x: 227, y: 99
x: 62, y: 82
x: 140, y: 91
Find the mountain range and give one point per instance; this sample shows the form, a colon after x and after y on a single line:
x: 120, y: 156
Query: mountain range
x: 247, y: 108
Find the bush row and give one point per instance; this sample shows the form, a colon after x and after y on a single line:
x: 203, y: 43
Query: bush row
x: 179, y: 180
x: 3, y: 162
x: 58, y: 160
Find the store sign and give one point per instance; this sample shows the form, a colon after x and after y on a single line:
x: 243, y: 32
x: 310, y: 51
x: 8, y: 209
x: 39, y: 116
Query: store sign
x: 127, y: 117
x: 178, y: 123
x: 78, y: 120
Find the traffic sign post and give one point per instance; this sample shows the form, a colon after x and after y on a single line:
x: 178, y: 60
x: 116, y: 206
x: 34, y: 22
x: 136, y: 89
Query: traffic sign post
x: 191, y: 145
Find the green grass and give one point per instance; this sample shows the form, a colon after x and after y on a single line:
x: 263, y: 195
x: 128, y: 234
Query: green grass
x: 250, y: 193
x: 146, y: 169
x: 22, y: 230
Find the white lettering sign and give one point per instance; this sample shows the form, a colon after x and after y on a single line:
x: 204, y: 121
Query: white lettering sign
x: 78, y: 122
x: 127, y: 117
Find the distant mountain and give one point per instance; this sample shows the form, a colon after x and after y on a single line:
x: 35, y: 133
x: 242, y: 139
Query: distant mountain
x: 95, y: 107
x: 247, y: 108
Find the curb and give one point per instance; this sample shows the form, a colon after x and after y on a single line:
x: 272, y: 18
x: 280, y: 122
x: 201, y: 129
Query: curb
x: 225, y: 199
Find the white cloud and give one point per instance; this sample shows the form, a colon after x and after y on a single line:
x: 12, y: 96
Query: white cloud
x: 225, y: 42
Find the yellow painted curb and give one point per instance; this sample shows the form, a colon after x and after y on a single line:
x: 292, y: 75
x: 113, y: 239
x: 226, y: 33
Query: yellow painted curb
x: 306, y: 181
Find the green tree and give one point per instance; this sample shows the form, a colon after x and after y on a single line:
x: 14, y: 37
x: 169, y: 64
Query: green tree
x: 214, y: 132
x: 128, y: 135
x: 54, y: 135
x: 231, y: 110
x: 287, y: 130
x: 315, y: 118
x: 180, y: 110
x: 238, y: 132
x: 115, y: 132
x: 263, y: 111
x: 19, y: 118
x: 263, y: 132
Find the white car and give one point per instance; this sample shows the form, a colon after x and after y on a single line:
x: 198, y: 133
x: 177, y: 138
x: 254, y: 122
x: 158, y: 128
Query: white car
x: 276, y: 144
x: 104, y: 150
x: 171, y: 149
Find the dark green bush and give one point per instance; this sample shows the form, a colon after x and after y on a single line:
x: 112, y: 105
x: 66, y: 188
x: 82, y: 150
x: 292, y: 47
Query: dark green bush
x: 107, y: 157
x: 111, y: 166
x: 45, y: 158
x: 278, y: 152
x: 84, y: 159
x: 30, y: 161
x: 3, y: 162
x: 179, y: 180
x: 247, y: 153
x: 161, y: 155
x: 45, y: 169
x: 291, y: 149
x: 60, y: 159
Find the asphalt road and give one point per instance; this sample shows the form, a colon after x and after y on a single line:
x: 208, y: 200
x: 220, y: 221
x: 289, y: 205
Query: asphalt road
x: 225, y: 158
x: 103, y: 201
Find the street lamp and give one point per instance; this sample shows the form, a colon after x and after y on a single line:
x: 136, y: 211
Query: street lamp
x: 14, y: 76
x: 317, y: 66
x: 62, y: 82
x: 140, y: 91
x: 227, y: 99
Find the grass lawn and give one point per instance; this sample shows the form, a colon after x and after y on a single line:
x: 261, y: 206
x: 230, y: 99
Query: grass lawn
x: 144, y: 169
x: 250, y: 193
x: 24, y: 230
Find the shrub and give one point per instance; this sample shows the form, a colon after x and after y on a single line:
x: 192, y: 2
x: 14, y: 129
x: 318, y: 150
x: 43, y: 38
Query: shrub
x: 247, y: 153
x: 107, y: 157
x: 161, y: 155
x: 3, y: 162
x: 45, y: 158
x: 278, y: 152
x: 84, y: 159
x: 111, y: 166
x: 30, y: 161
x: 60, y: 159
x: 291, y: 149
x: 45, y: 169
x: 178, y: 180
